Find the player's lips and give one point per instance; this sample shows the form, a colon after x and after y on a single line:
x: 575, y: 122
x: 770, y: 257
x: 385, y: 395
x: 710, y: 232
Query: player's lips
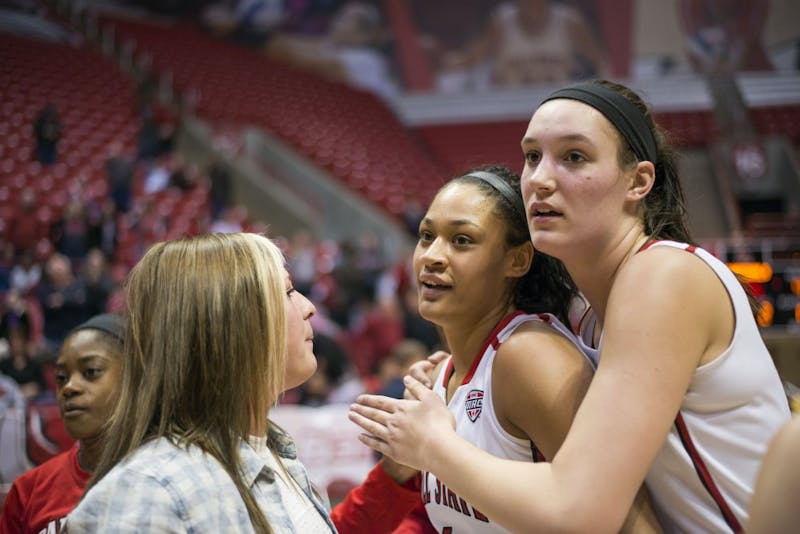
x: 432, y: 285
x: 543, y: 210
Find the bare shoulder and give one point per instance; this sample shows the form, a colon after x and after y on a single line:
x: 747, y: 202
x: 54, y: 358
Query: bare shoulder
x: 536, y: 361
x: 667, y: 275
x: 536, y: 343
x: 667, y: 261
x: 539, y: 378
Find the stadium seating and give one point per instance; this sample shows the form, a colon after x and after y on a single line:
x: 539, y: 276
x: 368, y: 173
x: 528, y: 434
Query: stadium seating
x: 350, y: 133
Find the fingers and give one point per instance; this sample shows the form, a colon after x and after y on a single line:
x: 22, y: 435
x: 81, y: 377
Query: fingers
x: 374, y: 443
x: 415, y: 390
x: 420, y: 370
x: 379, y: 402
x: 372, y: 420
x: 438, y: 357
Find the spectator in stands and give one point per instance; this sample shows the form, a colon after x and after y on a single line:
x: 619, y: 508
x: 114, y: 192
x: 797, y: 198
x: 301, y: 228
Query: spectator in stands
x: 119, y: 172
x: 178, y: 454
x: 98, y: 282
x: 331, y: 364
x: 16, y: 315
x: 89, y: 370
x: 415, y: 326
x: 25, y: 228
x: 397, y: 287
x: 22, y: 365
x: 70, y: 234
x: 7, y: 263
x: 370, y: 258
x: 352, y: 51
x: 351, y: 289
x: 528, y: 41
x: 103, y: 227
x: 63, y: 300
x: 301, y: 257
x: 230, y: 221
x: 413, y: 211
x: 26, y: 273
x: 182, y: 175
x: 220, y: 188
x: 156, y: 177
x: 398, y: 364
x: 47, y: 132
x: 149, y: 139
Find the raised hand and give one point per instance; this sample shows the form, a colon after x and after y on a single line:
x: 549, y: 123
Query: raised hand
x: 403, y: 429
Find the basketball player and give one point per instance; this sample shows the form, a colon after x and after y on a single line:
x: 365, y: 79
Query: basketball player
x: 685, y: 395
x: 515, y: 376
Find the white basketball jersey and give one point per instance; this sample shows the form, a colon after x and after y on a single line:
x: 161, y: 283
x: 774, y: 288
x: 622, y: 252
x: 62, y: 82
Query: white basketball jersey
x: 703, y: 478
x: 473, y: 408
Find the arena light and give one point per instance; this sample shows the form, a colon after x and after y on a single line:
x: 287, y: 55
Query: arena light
x: 753, y: 272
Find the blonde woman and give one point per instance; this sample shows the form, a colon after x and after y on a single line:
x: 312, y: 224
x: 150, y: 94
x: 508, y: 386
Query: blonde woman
x: 216, y: 334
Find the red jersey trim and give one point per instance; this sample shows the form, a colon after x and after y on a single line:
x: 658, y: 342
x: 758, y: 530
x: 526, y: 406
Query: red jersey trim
x: 490, y: 340
x: 689, y: 248
x: 705, y: 475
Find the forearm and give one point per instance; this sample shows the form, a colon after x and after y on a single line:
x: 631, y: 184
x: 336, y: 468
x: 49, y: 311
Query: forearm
x: 531, y: 492
x: 377, y: 505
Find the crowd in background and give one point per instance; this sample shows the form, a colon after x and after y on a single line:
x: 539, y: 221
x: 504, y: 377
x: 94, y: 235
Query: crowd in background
x: 368, y: 329
x: 55, y: 274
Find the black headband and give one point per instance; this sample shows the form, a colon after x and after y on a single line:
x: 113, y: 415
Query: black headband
x: 111, y: 323
x: 625, y: 117
x: 502, y: 187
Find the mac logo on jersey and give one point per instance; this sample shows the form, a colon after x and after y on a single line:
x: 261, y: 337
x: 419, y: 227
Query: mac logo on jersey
x: 474, y: 404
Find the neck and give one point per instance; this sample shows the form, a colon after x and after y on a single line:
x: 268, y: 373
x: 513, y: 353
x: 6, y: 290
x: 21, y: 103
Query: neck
x: 595, y: 270
x: 89, y: 453
x: 464, y: 341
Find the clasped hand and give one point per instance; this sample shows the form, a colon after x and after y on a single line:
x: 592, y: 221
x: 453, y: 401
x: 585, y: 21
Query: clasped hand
x: 403, y: 428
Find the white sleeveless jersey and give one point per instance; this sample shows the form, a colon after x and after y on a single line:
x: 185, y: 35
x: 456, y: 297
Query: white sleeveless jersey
x: 702, y: 479
x: 473, y: 408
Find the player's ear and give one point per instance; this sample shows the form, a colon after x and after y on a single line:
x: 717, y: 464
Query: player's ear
x: 642, y: 180
x: 518, y: 260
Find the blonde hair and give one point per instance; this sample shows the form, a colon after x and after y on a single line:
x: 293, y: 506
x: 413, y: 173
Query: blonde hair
x: 205, y: 350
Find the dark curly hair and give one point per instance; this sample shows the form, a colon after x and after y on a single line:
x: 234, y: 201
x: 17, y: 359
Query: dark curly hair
x: 547, y: 286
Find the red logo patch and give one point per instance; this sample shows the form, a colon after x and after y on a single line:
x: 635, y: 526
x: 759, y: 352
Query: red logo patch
x: 474, y: 404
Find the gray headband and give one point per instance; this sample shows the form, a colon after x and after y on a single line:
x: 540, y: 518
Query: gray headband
x: 626, y: 118
x: 505, y: 190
